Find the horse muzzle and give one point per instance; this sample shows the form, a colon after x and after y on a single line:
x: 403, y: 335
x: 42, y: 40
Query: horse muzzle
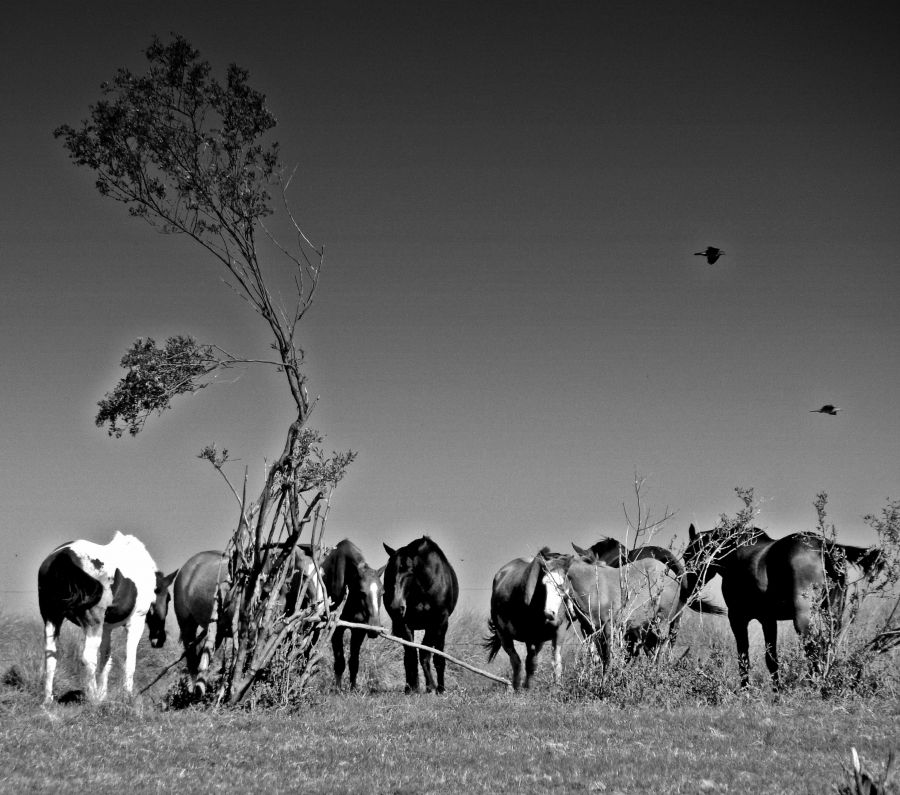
x: 158, y: 641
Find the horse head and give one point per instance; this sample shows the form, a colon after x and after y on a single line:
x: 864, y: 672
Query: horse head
x: 606, y: 550
x: 372, y: 593
x: 159, y: 609
x: 404, y: 579
x: 546, y: 584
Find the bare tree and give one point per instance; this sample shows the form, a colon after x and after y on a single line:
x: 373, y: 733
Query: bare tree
x: 188, y: 155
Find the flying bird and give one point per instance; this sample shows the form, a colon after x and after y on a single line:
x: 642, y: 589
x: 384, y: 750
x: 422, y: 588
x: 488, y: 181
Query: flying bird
x: 711, y: 253
x: 826, y: 409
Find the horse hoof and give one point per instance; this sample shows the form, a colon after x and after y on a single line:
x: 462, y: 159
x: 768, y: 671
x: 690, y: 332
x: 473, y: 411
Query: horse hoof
x: 72, y: 697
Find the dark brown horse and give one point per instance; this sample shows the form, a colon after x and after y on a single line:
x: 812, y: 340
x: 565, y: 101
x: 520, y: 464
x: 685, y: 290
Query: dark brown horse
x: 420, y: 592
x: 777, y: 580
x: 526, y: 606
x: 344, y: 570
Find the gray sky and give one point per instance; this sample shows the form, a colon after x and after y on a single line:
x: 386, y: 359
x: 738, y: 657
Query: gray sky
x: 512, y: 321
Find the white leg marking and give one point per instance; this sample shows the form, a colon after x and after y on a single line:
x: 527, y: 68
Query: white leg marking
x: 93, y: 635
x: 104, y: 662
x: 134, y: 628
x: 51, y: 633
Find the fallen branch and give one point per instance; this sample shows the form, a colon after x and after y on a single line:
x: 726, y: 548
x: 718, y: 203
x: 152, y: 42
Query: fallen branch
x: 387, y: 636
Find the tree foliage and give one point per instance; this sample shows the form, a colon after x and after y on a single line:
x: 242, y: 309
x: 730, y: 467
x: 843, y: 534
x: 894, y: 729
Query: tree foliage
x: 155, y: 375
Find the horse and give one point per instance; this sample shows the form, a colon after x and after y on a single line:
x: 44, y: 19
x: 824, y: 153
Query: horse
x: 696, y: 595
x: 99, y: 587
x: 646, y: 597
x: 194, y: 592
x: 420, y: 592
x: 526, y: 605
x: 777, y: 580
x: 614, y: 553
x: 345, y: 570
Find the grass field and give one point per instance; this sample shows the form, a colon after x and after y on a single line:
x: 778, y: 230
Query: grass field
x: 476, y: 738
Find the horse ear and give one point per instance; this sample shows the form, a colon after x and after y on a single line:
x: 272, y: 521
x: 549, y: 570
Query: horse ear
x: 531, y: 578
x: 380, y: 572
x: 391, y: 552
x: 692, y: 532
x: 578, y: 549
x: 169, y: 579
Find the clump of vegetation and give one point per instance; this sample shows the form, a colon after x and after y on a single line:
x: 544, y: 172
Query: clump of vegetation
x: 667, y: 680
x: 846, y: 646
x: 862, y: 782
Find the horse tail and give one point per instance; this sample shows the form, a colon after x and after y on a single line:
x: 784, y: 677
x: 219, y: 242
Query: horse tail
x: 870, y: 560
x: 65, y: 590
x: 661, y: 554
x: 690, y: 588
x: 491, y: 643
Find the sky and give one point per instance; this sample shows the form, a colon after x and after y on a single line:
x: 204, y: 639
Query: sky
x: 511, y: 323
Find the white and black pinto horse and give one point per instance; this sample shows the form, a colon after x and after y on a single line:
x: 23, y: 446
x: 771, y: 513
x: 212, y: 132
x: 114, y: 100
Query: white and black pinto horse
x: 527, y: 606
x: 100, y: 587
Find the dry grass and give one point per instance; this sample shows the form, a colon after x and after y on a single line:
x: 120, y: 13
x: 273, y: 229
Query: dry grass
x: 477, y: 738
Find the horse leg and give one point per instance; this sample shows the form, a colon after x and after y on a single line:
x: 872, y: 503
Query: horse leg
x: 104, y: 661
x: 93, y: 635
x: 190, y: 642
x: 410, y: 661
x: 51, y: 639
x: 340, y: 662
x: 557, y: 657
x: 672, y: 636
x: 770, y: 636
x: 604, y: 643
x: 802, y: 623
x: 436, y: 638
x: 357, y: 636
x: 514, y: 660
x: 425, y: 659
x: 742, y: 640
x: 133, y: 629
x: 532, y: 651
